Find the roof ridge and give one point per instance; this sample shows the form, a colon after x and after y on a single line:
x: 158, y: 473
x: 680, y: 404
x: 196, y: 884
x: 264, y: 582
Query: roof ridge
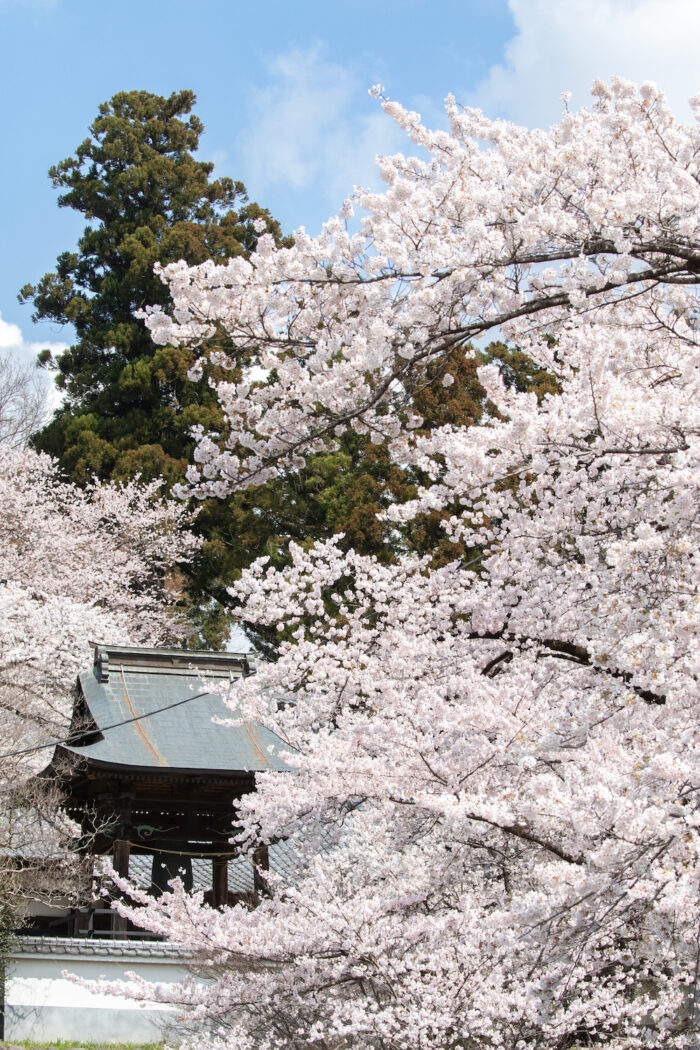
x: 153, y: 660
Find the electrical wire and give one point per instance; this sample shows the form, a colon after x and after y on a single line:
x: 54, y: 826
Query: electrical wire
x: 101, y: 729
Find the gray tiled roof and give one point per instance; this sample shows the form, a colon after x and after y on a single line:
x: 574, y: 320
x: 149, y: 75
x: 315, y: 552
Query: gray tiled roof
x: 87, y: 946
x: 129, y: 682
x: 284, y: 859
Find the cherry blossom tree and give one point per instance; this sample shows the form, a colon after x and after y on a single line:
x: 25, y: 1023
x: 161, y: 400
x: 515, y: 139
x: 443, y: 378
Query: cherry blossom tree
x: 497, y: 762
x: 76, y: 566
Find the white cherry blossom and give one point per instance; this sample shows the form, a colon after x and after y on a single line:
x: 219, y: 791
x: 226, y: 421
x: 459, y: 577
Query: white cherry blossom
x: 77, y: 566
x: 497, y: 763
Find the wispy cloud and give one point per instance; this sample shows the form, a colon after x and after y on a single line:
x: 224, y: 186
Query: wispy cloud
x: 12, y: 341
x: 566, y: 46
x: 312, y: 126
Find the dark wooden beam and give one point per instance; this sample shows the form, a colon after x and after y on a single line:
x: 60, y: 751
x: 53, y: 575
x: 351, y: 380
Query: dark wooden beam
x: 219, y: 882
x: 120, y: 855
x: 261, y: 864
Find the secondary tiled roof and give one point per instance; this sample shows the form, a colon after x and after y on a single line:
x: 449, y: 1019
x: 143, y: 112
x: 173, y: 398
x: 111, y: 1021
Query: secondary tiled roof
x: 284, y: 860
x: 83, y: 946
x: 127, y: 683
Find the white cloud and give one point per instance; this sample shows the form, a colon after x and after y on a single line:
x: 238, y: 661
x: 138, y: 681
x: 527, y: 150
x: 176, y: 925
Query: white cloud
x: 14, y: 345
x: 10, y: 335
x: 566, y: 45
x: 13, y: 342
x: 310, y: 127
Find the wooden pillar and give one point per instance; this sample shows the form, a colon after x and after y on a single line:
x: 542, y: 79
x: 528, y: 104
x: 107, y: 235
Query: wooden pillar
x: 120, y: 857
x: 120, y: 860
x: 261, y: 864
x: 219, y: 881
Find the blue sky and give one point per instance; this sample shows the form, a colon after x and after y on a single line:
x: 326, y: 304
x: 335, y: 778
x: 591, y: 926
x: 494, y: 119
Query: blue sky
x: 282, y: 91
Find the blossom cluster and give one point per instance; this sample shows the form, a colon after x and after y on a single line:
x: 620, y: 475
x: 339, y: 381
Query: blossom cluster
x: 76, y: 566
x: 504, y: 752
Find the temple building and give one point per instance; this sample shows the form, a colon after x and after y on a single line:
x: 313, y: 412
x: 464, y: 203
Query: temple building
x: 151, y: 774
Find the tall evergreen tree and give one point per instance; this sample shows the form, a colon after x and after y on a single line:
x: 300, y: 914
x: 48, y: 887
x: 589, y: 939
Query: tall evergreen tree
x: 128, y: 407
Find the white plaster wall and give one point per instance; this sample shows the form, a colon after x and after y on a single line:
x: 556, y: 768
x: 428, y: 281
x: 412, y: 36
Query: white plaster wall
x: 44, y: 1006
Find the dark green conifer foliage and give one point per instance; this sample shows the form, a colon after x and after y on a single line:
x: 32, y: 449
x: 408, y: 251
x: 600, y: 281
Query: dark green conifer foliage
x: 128, y: 405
